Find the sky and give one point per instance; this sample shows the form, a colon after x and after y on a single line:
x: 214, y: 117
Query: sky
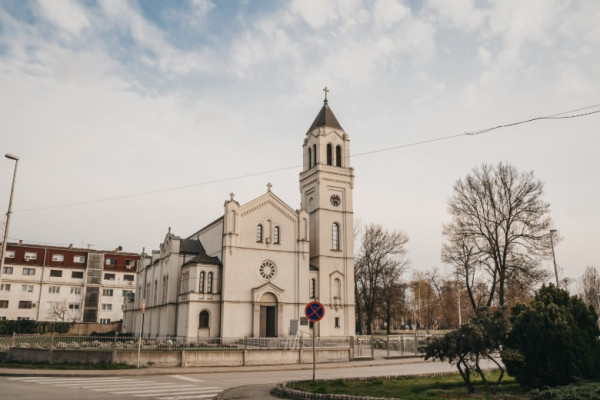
x: 130, y: 117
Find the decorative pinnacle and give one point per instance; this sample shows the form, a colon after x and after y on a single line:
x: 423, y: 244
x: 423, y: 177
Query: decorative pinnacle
x: 269, y: 186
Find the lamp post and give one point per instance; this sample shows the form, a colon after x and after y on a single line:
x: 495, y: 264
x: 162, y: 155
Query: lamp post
x: 12, y: 190
x: 552, y: 232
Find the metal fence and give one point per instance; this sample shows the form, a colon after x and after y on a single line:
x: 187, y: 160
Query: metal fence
x: 109, y: 342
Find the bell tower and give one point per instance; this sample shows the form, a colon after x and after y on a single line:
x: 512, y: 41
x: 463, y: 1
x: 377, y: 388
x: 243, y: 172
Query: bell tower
x: 326, y: 184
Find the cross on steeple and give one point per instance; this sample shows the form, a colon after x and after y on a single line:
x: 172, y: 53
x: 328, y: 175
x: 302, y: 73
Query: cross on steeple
x: 269, y: 186
x: 231, y: 195
x: 326, y: 91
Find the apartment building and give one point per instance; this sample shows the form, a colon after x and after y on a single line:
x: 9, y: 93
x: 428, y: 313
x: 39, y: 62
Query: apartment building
x: 50, y: 283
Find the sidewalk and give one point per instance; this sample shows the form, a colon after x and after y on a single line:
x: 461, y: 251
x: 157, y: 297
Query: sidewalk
x: 198, y: 370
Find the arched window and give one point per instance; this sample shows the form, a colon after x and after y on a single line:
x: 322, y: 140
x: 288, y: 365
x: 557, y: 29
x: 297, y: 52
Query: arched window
x: 276, y: 235
x: 312, y: 289
x: 329, y: 154
x: 259, y: 233
x: 209, y: 283
x: 337, y: 288
x: 335, y: 236
x: 315, y: 155
x: 201, y: 283
x: 309, y: 157
x: 204, y: 320
x: 338, y: 156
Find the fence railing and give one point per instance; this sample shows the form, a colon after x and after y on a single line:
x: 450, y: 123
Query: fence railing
x: 109, y: 342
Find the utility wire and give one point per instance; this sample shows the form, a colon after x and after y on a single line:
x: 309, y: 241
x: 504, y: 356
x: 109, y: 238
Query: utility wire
x: 562, y: 115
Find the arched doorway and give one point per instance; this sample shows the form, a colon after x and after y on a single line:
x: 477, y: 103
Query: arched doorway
x: 268, y: 315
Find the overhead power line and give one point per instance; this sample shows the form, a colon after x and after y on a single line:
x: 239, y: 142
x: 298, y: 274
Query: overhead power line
x: 561, y: 115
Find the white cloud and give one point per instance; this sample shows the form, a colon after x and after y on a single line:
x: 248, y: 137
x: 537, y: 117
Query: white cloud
x: 66, y: 14
x: 459, y: 13
x: 389, y: 12
x: 484, y: 56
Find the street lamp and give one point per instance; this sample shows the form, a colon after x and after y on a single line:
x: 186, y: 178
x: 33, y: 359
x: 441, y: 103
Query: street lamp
x: 552, y: 232
x: 12, y: 190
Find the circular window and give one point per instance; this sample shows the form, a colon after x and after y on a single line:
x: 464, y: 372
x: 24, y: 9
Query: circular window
x: 268, y: 270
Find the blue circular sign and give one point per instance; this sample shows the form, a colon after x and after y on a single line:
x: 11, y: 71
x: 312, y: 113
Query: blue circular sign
x: 314, y: 311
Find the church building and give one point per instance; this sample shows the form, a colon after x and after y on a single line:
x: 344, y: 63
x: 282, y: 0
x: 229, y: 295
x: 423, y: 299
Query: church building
x: 251, y: 272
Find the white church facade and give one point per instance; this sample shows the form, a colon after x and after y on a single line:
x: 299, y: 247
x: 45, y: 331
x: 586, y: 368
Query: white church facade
x: 251, y: 272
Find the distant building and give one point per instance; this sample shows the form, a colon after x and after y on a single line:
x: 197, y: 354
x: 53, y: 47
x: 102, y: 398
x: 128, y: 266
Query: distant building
x: 251, y: 272
x: 50, y: 283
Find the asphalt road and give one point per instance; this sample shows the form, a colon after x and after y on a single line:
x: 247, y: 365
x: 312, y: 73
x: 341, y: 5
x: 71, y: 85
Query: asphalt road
x: 178, y: 384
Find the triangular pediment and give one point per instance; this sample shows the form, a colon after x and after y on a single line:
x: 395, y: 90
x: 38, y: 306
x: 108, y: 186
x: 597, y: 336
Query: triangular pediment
x: 269, y: 199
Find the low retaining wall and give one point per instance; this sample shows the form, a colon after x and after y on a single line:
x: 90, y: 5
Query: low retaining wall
x: 181, y: 358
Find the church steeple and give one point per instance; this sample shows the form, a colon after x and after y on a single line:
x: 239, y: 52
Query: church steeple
x: 325, y: 116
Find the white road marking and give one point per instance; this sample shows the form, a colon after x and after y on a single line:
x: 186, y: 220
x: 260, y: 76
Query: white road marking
x: 186, y: 378
x: 202, y: 396
x: 178, y: 393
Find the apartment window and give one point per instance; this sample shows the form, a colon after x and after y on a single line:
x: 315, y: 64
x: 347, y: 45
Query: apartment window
x: 58, y: 257
x: 77, y: 274
x: 29, y: 256
x: 105, y: 320
x: 75, y: 290
x: 57, y: 273
x: 22, y: 318
x: 79, y: 259
x: 27, y: 288
x: 106, y: 307
x: 74, y: 306
x: 2, y: 318
x: 9, y: 254
x: 29, y: 271
x: 25, y: 304
x: 109, y: 277
x: 130, y: 264
x: 54, y: 289
x: 8, y: 270
x: 107, y: 292
x: 5, y: 287
x: 3, y: 303
x: 128, y: 278
x: 126, y: 292
x: 111, y: 261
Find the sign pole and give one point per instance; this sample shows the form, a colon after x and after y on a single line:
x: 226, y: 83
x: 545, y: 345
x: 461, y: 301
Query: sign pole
x: 314, y: 351
x: 141, y: 329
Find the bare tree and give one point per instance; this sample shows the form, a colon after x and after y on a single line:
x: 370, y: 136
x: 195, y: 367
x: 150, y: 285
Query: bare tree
x: 590, y: 288
x: 499, y: 231
x: 61, y: 310
x: 380, y: 262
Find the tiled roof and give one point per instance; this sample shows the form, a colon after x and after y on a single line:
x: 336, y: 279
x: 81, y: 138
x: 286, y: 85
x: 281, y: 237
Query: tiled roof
x: 325, y: 118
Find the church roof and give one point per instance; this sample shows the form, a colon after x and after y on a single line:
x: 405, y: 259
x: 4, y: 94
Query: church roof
x: 190, y: 246
x: 325, y: 118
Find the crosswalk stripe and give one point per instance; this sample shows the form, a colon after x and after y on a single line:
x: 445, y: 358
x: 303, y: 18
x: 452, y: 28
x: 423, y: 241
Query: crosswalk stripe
x: 60, y: 380
x: 186, y: 378
x: 93, y: 386
x: 147, y: 389
x: 112, y: 384
x: 201, y: 396
x: 175, y: 393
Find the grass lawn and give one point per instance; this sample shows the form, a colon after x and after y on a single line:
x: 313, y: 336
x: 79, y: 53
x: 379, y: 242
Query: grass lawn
x: 414, y: 388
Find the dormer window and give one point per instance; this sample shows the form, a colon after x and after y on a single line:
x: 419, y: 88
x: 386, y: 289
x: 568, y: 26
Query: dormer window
x: 259, y: 233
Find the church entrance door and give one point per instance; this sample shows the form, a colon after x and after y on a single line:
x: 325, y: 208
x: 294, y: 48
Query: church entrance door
x: 268, y: 321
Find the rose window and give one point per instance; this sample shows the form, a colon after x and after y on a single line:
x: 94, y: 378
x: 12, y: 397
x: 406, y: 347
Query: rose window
x: 267, y: 270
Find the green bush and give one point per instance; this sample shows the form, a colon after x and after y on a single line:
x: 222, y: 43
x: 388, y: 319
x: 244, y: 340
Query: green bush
x: 8, y: 327
x: 553, y: 341
x: 583, y: 390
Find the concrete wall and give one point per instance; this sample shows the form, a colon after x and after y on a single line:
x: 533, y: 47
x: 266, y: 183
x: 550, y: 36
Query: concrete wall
x: 185, y: 358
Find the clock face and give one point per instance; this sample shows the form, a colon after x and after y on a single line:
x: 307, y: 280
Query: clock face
x: 335, y: 200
